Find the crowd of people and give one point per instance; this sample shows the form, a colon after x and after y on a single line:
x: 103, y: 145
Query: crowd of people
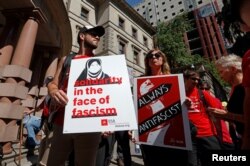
x: 212, y: 125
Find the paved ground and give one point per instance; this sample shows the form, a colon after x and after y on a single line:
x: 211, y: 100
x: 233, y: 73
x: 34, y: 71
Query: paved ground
x: 28, y: 161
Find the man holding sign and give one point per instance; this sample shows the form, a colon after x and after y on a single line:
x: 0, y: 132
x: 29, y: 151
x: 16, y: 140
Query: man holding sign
x: 84, y: 145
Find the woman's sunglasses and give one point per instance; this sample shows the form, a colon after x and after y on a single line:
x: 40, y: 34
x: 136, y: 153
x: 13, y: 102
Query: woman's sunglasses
x: 151, y: 56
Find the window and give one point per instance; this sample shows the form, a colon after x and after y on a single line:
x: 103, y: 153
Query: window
x: 84, y: 13
x: 134, y: 33
x: 172, y: 6
x: 190, y: 6
x: 173, y: 14
x: 182, y: 10
x: 145, y: 41
x: 121, y: 45
x: 166, y: 17
x: 164, y: 10
x: 163, y: 3
x: 199, y: 2
x: 121, y: 23
x: 78, y: 27
x: 122, y: 48
x: 136, y: 54
x: 180, y: 2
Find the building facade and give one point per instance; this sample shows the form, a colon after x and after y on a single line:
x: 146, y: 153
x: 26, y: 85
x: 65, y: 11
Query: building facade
x: 205, y: 37
x: 36, y: 33
x: 126, y: 31
x: 165, y: 10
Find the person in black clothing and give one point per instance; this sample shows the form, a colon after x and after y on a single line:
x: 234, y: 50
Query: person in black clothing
x: 229, y: 68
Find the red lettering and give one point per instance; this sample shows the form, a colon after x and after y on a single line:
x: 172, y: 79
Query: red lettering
x: 94, y: 112
x: 80, y: 102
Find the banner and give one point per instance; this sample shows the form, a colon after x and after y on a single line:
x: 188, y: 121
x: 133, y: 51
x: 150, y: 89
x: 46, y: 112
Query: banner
x: 100, y: 97
x: 162, y: 116
x: 206, y: 10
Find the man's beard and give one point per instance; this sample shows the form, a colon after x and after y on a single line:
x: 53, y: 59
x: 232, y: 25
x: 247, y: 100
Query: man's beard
x: 88, y: 44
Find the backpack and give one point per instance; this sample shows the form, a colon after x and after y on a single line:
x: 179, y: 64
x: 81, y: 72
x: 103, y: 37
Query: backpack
x: 66, y: 66
x: 50, y: 114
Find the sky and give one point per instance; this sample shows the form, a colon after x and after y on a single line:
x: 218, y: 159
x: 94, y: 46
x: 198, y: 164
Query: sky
x: 133, y: 2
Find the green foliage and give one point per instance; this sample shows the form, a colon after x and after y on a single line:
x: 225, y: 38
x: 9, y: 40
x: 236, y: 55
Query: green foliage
x: 170, y: 39
x: 210, y: 67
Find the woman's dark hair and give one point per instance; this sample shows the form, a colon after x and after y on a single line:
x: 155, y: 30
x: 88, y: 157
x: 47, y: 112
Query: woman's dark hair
x: 235, y: 6
x: 230, y: 19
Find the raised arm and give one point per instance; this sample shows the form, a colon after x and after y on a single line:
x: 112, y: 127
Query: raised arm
x: 57, y: 94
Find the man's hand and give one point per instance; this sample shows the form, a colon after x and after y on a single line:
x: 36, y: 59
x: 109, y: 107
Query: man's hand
x: 60, y: 97
x: 216, y: 111
x: 105, y: 134
x: 188, y: 102
x: 131, y: 136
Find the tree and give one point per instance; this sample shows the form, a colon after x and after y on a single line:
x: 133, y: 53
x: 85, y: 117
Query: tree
x: 170, y: 40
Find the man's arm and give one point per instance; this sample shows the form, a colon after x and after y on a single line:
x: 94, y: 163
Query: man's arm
x: 246, y: 107
x: 57, y: 95
x: 229, y: 116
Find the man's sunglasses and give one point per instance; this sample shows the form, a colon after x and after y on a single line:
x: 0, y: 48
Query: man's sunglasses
x: 92, y: 33
x: 195, y: 79
x: 204, y: 88
x: 151, y: 56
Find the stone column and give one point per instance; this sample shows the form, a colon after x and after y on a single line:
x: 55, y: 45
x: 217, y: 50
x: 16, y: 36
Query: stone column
x: 17, y: 74
x: 25, y: 45
x: 8, y: 40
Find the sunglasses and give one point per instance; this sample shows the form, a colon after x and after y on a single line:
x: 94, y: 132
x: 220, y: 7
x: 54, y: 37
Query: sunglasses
x: 151, y: 56
x: 204, y: 88
x: 195, y: 79
x: 92, y: 33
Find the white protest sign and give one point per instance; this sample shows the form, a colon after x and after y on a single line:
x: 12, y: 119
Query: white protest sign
x: 100, y: 97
